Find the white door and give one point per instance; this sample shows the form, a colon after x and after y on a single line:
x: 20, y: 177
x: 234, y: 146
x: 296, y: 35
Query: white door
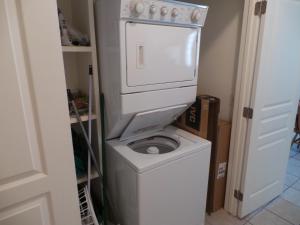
x: 37, y: 177
x: 158, y: 54
x: 275, y: 96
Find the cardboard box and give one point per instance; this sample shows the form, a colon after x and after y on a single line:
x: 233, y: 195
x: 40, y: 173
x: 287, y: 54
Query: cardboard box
x: 222, y: 156
x: 202, y: 119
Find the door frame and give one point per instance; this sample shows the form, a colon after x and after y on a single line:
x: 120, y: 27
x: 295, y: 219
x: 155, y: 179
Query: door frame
x: 248, y: 56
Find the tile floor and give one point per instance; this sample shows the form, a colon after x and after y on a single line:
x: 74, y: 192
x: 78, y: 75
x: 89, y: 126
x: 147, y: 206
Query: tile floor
x: 285, y: 210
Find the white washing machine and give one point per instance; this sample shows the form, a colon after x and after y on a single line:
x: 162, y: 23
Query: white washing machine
x: 160, y: 179
x: 149, y: 51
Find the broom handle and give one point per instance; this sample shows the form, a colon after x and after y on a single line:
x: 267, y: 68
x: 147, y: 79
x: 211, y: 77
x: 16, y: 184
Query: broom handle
x: 85, y: 134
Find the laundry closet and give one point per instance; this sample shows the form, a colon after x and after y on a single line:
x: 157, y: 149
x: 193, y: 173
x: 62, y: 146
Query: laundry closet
x: 242, y: 58
x: 247, y: 60
x: 219, y: 56
x: 218, y: 67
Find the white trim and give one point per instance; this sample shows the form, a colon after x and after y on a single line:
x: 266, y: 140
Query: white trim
x: 96, y: 82
x: 246, y: 68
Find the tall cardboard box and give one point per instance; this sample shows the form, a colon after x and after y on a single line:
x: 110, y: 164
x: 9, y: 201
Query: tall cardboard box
x: 202, y: 119
x: 222, y: 157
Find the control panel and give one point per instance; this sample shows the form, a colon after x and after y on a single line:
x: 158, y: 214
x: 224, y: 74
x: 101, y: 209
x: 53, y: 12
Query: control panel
x: 164, y: 11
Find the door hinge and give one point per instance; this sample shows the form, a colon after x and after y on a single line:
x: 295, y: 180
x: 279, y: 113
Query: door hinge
x: 260, y: 8
x: 248, y: 113
x: 238, y: 195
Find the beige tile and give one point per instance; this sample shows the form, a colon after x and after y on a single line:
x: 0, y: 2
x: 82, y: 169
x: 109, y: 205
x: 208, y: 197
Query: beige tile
x: 286, y: 210
x: 268, y: 218
x: 206, y: 221
x: 296, y: 186
x: 292, y: 196
x: 221, y: 217
x: 290, y: 179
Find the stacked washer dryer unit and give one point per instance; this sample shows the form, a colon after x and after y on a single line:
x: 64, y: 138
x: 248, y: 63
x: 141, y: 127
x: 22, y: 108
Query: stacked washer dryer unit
x: 149, y: 51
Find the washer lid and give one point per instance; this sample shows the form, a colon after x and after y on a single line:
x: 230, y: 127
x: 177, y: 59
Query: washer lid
x: 146, y: 123
x: 189, y: 144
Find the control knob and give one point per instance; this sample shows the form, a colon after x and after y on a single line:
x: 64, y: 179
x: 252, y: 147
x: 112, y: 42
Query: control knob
x: 164, y: 11
x: 138, y: 7
x: 153, y: 9
x: 196, y: 15
x: 175, y: 12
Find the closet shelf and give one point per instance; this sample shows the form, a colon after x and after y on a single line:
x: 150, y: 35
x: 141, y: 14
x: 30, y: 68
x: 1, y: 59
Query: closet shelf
x: 84, y: 178
x: 84, y: 118
x: 77, y: 49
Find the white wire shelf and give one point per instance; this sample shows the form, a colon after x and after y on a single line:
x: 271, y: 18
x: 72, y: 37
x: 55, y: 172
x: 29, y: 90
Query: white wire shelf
x: 87, y: 213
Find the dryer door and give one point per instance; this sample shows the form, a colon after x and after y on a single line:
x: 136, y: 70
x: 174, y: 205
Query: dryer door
x: 161, y: 55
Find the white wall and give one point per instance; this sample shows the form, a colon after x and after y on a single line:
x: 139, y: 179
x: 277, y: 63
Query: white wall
x: 219, y: 51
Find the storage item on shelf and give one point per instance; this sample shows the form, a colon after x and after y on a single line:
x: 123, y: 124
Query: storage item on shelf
x: 81, y: 102
x: 80, y: 153
x: 65, y: 38
x: 202, y: 119
x: 69, y: 35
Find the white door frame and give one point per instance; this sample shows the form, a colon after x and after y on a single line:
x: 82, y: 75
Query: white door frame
x: 246, y: 70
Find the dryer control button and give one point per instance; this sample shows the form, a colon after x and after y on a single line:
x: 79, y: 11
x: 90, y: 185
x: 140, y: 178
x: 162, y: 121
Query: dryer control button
x: 175, y: 12
x: 164, y: 11
x: 153, y: 9
x: 137, y: 7
x: 196, y: 15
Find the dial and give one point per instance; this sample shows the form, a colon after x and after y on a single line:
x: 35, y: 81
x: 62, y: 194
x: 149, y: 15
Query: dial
x: 138, y: 7
x: 164, y: 11
x: 153, y: 9
x: 175, y: 12
x: 196, y: 15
